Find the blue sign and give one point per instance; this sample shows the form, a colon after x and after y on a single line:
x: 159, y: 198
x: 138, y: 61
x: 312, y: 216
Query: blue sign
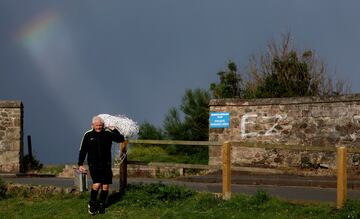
x: 219, y: 119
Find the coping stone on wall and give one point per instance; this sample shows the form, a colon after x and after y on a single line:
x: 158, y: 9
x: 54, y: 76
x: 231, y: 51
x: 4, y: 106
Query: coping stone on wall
x: 283, y: 100
x: 11, y: 104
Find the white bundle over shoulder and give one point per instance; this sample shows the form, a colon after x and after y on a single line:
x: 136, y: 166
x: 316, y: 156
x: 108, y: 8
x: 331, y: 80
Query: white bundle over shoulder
x: 123, y: 124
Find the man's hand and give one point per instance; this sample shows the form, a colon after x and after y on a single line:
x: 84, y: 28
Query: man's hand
x: 82, y: 168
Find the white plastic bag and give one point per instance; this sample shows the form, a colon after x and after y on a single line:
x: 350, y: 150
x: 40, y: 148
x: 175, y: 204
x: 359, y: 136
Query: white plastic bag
x: 123, y: 124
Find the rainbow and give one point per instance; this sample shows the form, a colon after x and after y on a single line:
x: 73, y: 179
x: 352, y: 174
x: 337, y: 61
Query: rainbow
x: 37, y: 27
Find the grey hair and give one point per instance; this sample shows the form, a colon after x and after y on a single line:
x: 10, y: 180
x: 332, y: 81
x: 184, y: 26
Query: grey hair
x: 97, y: 118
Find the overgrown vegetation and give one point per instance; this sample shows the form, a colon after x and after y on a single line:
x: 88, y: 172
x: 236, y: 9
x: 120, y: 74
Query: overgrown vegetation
x: 168, y: 201
x: 281, y: 71
x: 188, y: 122
x: 149, y: 131
x: 156, y: 153
x: 2, y: 189
x: 30, y: 163
x: 229, y: 85
x: 285, y: 71
x: 194, y: 127
x: 51, y: 169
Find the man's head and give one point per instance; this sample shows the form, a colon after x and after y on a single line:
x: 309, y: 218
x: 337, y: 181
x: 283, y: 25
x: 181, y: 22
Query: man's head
x: 97, y: 123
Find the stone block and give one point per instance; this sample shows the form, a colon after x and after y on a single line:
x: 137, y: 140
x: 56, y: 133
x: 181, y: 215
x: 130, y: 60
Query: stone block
x: 17, y: 122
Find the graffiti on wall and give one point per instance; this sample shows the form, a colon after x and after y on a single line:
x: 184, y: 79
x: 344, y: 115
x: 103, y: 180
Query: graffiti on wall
x: 251, y: 118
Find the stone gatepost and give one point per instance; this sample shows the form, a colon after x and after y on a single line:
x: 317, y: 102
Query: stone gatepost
x: 11, y: 136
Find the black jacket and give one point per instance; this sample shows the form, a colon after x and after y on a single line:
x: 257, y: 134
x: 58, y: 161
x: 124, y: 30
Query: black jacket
x: 97, y: 146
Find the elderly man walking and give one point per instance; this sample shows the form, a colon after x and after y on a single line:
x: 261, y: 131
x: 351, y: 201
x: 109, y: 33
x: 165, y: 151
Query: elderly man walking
x: 96, y: 144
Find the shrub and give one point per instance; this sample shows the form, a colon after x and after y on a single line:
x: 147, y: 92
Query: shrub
x: 149, y: 131
x: 351, y: 209
x: 2, y: 189
x: 260, y: 197
x: 31, y: 163
x: 157, y: 153
x: 52, y: 169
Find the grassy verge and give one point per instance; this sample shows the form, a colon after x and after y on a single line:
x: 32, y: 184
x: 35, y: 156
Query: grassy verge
x: 51, y: 169
x: 175, y: 154
x: 48, y: 169
x: 160, y: 201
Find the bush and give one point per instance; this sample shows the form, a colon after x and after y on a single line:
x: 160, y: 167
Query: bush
x: 172, y: 153
x: 2, y: 189
x: 31, y: 163
x: 351, y: 209
x: 146, y: 153
x: 260, y: 197
x: 52, y: 169
x: 149, y: 131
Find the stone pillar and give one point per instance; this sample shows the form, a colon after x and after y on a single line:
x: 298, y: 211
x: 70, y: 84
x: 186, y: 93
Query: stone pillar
x: 11, y: 136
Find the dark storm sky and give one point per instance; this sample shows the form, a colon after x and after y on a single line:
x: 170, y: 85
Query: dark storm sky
x: 70, y: 60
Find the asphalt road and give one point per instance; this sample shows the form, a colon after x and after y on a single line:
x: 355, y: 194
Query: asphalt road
x: 295, y: 193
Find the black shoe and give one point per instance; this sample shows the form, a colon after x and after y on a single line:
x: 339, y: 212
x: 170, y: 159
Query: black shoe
x: 92, y: 207
x: 101, y: 208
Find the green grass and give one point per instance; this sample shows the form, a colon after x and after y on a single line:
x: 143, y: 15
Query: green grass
x: 51, y: 169
x: 171, y: 154
x: 160, y: 201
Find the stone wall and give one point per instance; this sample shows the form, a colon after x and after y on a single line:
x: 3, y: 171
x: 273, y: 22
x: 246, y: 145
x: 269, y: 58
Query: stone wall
x: 307, y: 121
x: 11, y: 136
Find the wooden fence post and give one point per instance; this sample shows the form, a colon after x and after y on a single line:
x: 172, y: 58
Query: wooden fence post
x: 29, y: 148
x: 123, y: 167
x: 226, y: 170
x: 341, y: 177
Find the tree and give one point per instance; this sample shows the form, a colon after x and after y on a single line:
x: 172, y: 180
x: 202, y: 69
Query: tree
x: 284, y: 71
x: 195, y: 105
x: 230, y: 83
x: 290, y: 77
x: 149, y: 131
x: 195, y: 125
x: 174, y: 128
